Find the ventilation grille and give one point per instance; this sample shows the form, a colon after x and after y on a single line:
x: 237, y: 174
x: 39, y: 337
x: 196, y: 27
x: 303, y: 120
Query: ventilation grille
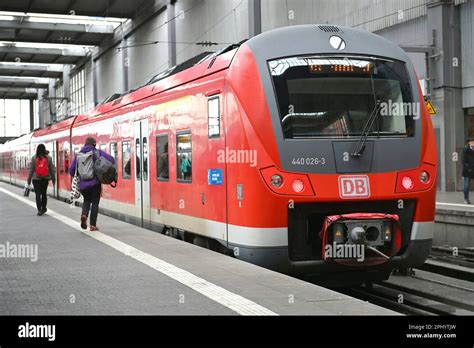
x: 329, y: 28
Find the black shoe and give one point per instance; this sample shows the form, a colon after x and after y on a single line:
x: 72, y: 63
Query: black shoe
x: 45, y: 210
x: 39, y: 213
x: 84, y: 222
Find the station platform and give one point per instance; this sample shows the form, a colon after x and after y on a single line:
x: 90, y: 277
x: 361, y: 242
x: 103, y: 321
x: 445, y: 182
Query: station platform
x: 128, y: 270
x: 454, y: 220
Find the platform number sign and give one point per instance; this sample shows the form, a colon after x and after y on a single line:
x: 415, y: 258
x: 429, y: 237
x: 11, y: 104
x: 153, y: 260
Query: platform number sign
x: 354, y: 186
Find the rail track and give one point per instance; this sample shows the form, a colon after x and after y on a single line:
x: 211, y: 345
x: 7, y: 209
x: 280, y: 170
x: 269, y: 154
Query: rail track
x: 442, y: 286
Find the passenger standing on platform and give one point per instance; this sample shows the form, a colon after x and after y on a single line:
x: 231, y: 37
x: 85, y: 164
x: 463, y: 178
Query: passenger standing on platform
x: 41, y: 171
x: 468, y: 168
x: 90, y: 188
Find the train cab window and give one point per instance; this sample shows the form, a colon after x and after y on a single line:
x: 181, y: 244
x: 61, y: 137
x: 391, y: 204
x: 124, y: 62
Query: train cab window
x: 126, y: 160
x: 335, y: 97
x: 213, y: 117
x: 162, y: 164
x: 184, y: 157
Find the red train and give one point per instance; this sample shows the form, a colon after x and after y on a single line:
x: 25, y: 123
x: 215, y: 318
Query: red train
x: 289, y: 150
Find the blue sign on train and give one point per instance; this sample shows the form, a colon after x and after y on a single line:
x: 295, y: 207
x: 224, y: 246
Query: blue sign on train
x: 214, y: 176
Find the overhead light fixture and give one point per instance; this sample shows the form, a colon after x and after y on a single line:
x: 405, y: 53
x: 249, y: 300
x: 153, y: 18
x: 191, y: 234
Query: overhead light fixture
x: 58, y: 19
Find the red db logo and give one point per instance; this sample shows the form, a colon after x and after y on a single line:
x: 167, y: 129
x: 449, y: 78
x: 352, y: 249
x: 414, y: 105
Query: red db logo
x: 354, y: 186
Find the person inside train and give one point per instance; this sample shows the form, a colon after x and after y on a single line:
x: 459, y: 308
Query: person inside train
x: 41, y: 171
x: 90, y: 188
x: 185, y: 168
x: 468, y: 168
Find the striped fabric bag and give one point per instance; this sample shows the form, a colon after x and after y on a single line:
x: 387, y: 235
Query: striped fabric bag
x: 75, y: 193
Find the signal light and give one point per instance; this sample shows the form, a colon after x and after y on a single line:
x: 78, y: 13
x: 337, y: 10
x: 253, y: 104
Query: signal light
x: 298, y: 186
x: 276, y: 180
x: 424, y: 177
x: 414, y: 180
x: 407, y: 183
x: 387, y: 235
x: 285, y: 183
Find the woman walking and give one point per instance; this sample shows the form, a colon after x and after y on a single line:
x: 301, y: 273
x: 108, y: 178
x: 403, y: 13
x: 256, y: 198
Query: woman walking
x: 41, y: 171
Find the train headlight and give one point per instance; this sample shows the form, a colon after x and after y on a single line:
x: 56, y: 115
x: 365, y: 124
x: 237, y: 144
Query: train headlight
x: 407, y: 183
x: 276, y: 180
x: 298, y: 186
x: 424, y: 177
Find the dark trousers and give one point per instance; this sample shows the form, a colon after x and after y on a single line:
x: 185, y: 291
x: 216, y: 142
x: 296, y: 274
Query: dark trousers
x: 41, y: 186
x: 91, y: 202
x: 467, y: 182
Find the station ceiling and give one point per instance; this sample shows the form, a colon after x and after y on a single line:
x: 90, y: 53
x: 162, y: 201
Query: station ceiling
x: 38, y: 36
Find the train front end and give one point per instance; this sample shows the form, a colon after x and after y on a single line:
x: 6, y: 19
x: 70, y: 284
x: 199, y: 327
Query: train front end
x: 346, y: 154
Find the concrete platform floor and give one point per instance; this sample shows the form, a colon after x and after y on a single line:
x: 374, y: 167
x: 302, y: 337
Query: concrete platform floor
x: 127, y: 270
x: 454, y: 201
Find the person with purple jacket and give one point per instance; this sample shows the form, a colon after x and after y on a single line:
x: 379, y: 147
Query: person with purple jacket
x: 90, y: 189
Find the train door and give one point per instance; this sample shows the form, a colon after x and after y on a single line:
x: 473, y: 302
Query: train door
x: 142, y: 172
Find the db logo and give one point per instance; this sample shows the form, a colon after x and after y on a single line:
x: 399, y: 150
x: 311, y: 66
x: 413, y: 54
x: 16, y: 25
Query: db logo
x: 354, y: 186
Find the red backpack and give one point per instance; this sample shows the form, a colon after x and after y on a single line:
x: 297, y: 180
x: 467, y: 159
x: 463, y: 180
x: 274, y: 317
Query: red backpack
x: 42, y: 167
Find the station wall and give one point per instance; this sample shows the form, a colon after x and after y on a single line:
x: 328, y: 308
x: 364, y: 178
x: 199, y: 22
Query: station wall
x: 223, y: 22
x: 467, y: 58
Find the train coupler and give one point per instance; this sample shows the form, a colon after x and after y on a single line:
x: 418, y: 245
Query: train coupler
x: 360, y: 238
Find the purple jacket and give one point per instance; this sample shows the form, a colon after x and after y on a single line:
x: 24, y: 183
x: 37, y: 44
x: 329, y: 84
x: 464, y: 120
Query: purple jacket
x: 86, y: 184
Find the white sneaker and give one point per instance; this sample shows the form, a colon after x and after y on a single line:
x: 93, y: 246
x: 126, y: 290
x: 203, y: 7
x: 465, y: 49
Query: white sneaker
x: 466, y: 201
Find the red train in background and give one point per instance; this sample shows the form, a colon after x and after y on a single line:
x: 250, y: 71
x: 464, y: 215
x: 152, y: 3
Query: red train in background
x: 284, y: 150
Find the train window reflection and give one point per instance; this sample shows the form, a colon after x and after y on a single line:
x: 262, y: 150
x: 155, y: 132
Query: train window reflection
x: 162, y: 164
x: 137, y: 159
x: 126, y: 160
x: 145, y: 158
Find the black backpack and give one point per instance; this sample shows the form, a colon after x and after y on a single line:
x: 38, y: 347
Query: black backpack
x: 105, y: 171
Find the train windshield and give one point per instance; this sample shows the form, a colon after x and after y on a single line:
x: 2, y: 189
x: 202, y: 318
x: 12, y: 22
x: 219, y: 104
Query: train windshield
x: 335, y: 96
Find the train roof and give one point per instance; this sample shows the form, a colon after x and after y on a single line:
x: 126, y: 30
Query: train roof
x: 197, y: 67
x: 310, y: 39
x: 55, y: 127
x: 21, y: 140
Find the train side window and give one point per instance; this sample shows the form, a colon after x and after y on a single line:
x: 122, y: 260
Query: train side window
x: 61, y: 161
x: 103, y: 147
x: 114, y: 152
x: 184, y: 157
x: 66, y: 161
x: 138, y: 173
x: 213, y: 117
x: 162, y: 164
x: 145, y: 158
x: 126, y: 160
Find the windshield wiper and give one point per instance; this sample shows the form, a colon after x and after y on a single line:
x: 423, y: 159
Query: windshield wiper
x: 365, y: 132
